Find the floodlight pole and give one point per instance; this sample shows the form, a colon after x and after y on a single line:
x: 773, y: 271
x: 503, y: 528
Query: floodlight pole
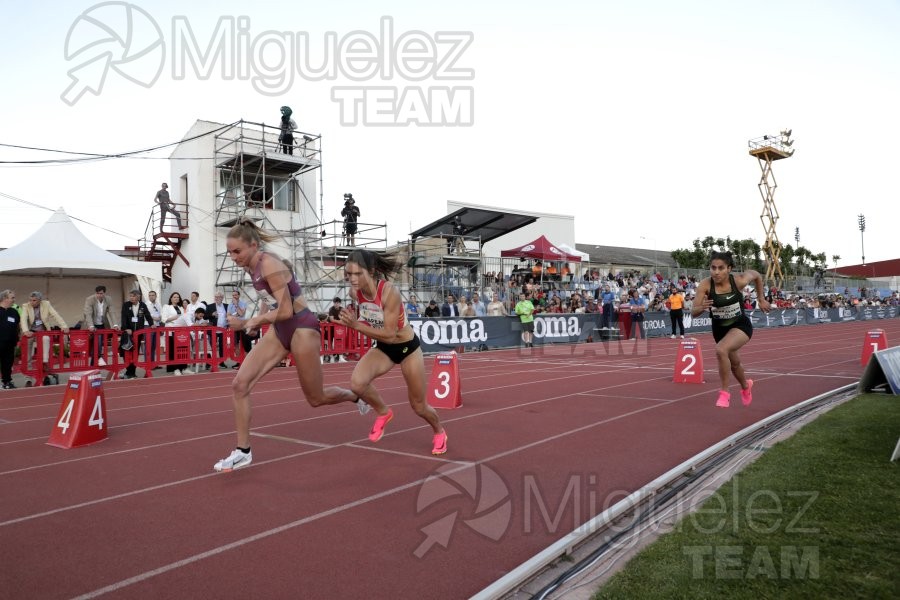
x: 862, y: 231
x: 766, y: 150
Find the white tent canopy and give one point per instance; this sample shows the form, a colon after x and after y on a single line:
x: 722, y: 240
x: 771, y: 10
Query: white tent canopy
x: 570, y: 250
x: 59, y: 248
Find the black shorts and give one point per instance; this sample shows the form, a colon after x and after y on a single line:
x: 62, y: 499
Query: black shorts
x: 399, y: 352
x: 743, y: 323
x: 528, y: 327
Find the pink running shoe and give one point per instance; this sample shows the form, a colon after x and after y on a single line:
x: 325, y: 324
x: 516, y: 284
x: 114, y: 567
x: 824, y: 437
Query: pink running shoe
x: 747, y: 395
x: 378, y: 427
x: 440, y: 443
x: 723, y: 401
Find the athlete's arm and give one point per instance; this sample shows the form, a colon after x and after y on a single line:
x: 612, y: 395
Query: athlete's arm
x: 277, y: 277
x: 751, y: 276
x: 391, y: 305
x: 702, y: 301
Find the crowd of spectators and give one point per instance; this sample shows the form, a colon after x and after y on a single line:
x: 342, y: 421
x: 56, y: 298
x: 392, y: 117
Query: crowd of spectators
x: 136, y: 313
x: 594, y: 291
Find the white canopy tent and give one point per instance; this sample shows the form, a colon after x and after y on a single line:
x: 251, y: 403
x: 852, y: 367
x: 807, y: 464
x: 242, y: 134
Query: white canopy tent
x: 585, y: 257
x: 59, y: 251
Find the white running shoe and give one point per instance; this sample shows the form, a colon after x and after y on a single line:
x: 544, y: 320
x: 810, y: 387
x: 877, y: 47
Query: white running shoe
x: 342, y: 359
x: 235, y: 460
x: 176, y: 372
x: 362, y: 407
x: 101, y: 362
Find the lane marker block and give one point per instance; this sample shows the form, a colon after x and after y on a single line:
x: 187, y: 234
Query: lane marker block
x: 875, y: 340
x: 82, y: 416
x: 443, y: 386
x: 689, y: 362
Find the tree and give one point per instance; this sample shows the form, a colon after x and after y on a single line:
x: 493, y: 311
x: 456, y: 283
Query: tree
x: 786, y: 259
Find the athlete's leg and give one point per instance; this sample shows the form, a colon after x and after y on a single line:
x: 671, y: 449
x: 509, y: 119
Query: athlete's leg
x: 737, y: 369
x: 731, y: 343
x: 371, y: 366
x: 305, y: 350
x: 413, y: 369
x: 267, y: 353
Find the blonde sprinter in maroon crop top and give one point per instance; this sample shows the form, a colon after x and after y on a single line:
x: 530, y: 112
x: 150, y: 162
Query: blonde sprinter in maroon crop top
x: 273, y: 275
x: 382, y: 318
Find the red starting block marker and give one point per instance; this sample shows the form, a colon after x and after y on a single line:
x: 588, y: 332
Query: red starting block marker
x: 82, y: 416
x: 689, y: 362
x: 443, y: 387
x: 874, y: 341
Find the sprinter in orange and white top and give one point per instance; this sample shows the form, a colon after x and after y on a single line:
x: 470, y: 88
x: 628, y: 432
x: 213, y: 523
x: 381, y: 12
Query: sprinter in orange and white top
x: 383, y: 319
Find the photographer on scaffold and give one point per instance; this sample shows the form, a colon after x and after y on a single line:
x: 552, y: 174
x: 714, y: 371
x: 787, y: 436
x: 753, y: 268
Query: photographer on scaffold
x: 351, y: 216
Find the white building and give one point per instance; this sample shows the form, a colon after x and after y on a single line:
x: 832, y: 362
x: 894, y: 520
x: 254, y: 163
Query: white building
x: 220, y: 173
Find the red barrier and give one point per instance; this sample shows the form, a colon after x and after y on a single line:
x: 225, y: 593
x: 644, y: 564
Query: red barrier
x: 339, y: 339
x: 195, y: 345
x: 61, y: 358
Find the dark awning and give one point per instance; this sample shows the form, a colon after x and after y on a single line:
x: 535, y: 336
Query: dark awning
x: 479, y: 223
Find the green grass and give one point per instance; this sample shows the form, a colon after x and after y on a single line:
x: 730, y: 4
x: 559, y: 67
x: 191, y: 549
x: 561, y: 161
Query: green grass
x: 818, y: 516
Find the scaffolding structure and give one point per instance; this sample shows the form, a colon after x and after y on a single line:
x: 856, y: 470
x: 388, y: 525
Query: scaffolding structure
x: 442, y: 264
x: 259, y: 178
x: 766, y: 150
x: 324, y: 251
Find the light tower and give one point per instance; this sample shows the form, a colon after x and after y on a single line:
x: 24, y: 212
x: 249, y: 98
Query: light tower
x: 767, y: 149
x: 862, y: 231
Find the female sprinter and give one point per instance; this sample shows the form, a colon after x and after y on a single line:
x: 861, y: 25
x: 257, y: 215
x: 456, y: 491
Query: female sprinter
x: 294, y: 331
x: 721, y: 294
x: 382, y: 318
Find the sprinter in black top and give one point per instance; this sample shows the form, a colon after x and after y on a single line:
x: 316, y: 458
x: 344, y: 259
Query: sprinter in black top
x: 721, y: 294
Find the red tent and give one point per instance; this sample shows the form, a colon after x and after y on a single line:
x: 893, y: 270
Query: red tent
x: 540, y: 249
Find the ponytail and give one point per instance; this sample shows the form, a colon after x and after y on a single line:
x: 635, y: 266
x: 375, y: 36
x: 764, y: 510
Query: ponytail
x: 250, y: 232
x: 374, y: 262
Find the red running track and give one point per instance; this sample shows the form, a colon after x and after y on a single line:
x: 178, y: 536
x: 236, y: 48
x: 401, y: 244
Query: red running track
x: 546, y: 439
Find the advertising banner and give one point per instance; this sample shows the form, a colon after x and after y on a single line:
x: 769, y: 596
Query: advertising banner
x: 469, y: 334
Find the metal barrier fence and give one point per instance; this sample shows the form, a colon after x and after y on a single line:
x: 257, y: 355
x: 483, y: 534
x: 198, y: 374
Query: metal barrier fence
x: 80, y: 350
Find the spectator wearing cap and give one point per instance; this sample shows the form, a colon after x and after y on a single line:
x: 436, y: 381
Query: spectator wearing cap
x: 432, y: 310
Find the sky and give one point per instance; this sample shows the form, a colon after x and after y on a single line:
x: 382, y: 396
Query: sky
x: 633, y: 117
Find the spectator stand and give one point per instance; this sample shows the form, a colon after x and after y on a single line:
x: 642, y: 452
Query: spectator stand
x: 446, y: 256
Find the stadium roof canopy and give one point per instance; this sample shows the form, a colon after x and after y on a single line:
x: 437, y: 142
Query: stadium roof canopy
x: 480, y: 223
